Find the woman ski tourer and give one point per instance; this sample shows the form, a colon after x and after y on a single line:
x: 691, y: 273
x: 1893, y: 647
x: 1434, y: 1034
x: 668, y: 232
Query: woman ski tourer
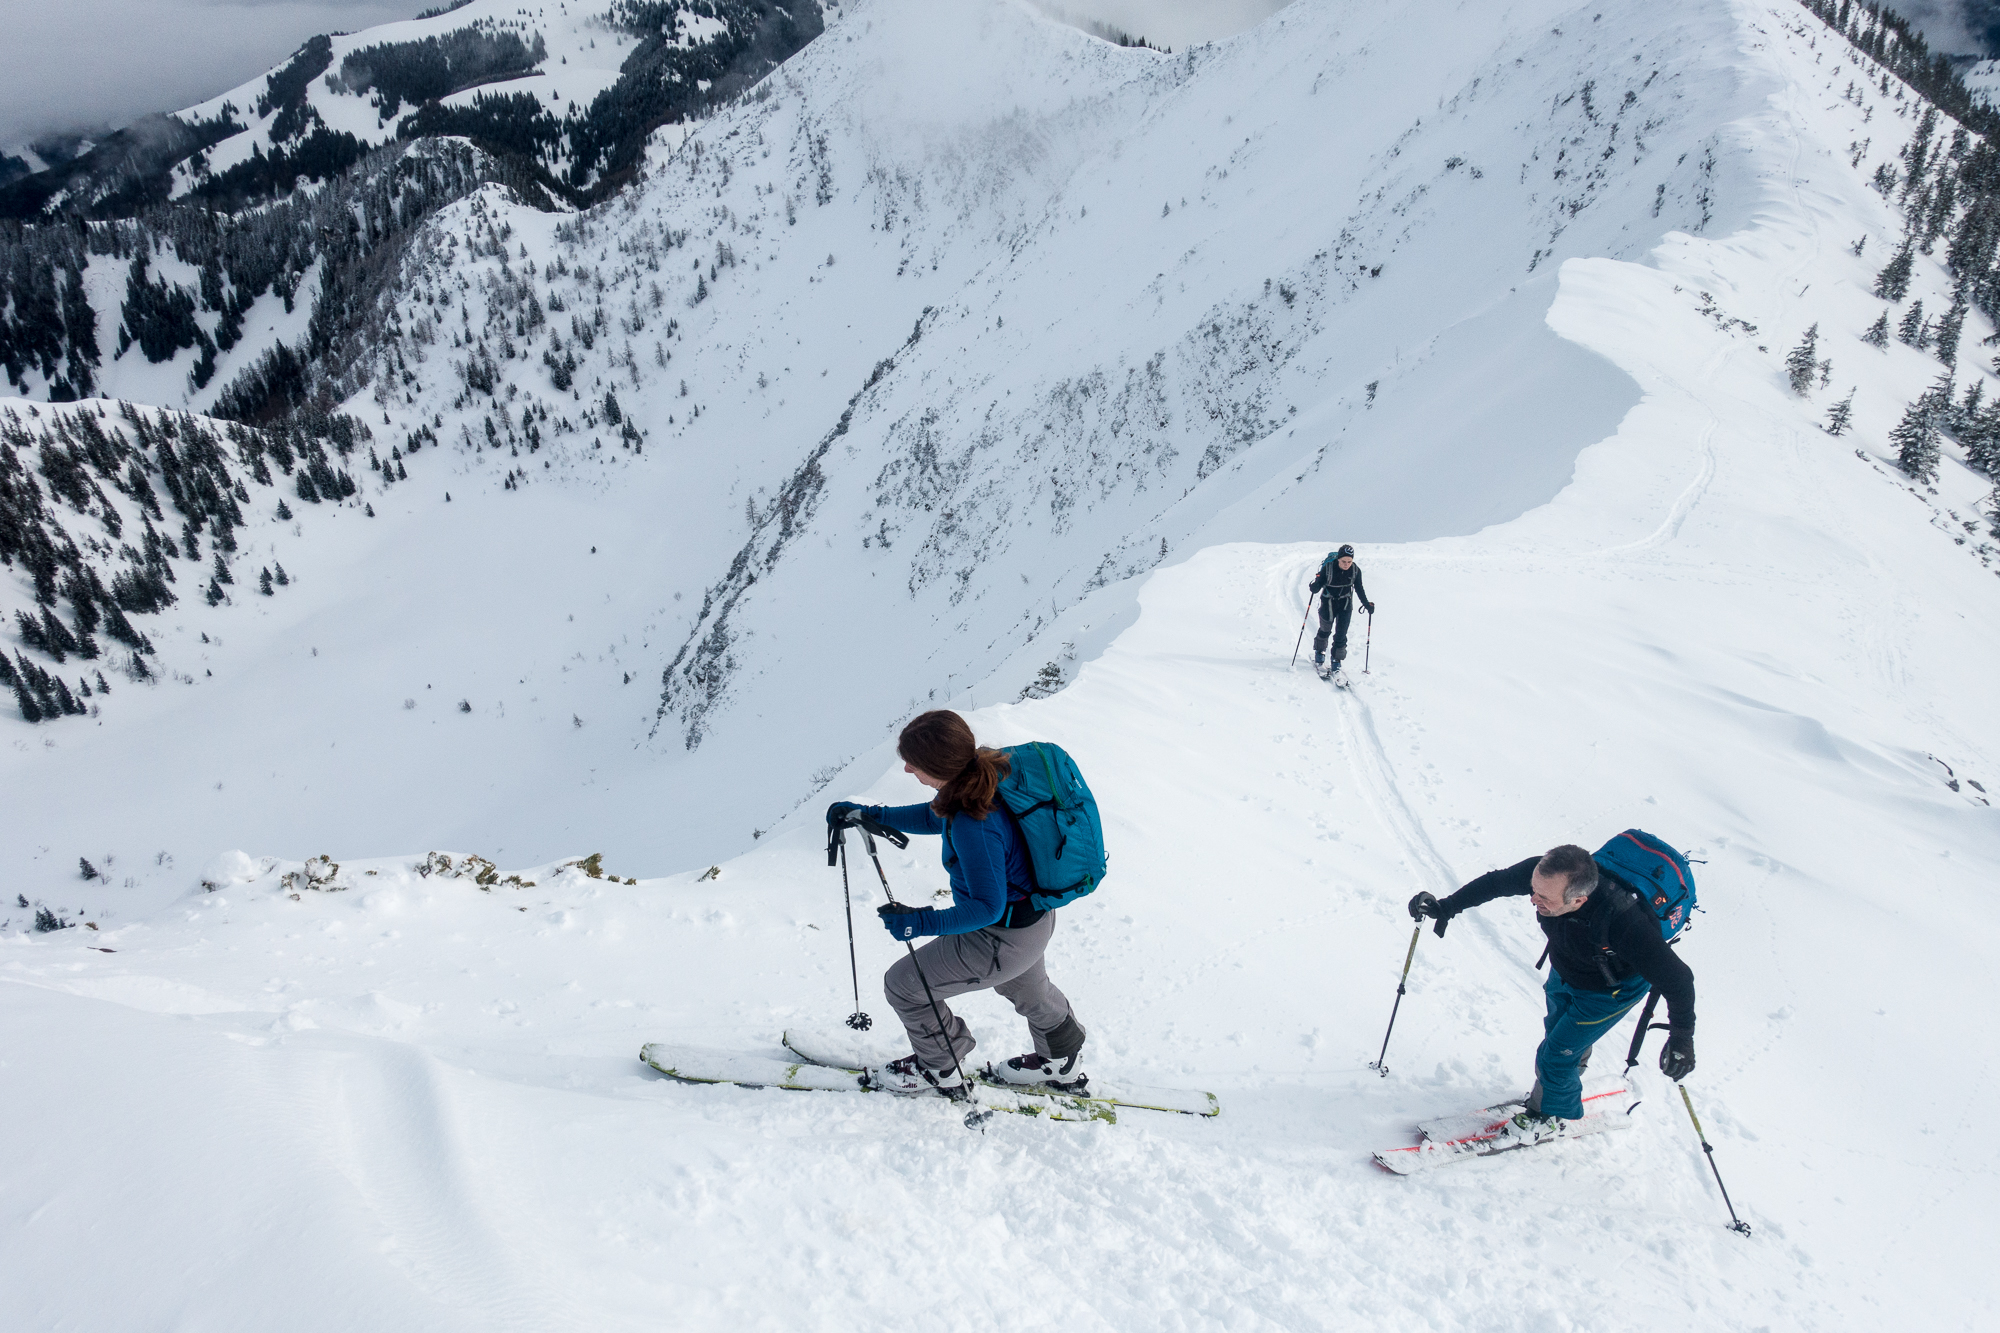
x: 1338, y: 587
x: 990, y: 938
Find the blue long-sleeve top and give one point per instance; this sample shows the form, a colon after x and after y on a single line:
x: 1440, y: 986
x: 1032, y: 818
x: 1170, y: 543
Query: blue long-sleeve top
x: 985, y: 859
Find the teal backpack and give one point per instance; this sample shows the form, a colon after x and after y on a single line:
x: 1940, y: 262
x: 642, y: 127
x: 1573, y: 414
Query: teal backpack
x: 1658, y: 875
x: 1052, y: 807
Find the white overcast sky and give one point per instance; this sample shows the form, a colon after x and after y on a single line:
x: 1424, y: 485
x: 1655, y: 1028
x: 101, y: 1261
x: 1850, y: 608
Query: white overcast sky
x: 78, y: 64
x: 71, y: 64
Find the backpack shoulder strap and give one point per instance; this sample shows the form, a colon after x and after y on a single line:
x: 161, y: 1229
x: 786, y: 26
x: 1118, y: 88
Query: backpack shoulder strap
x: 1622, y: 901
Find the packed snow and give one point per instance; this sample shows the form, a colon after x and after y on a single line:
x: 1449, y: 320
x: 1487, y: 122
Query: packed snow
x: 1624, y: 579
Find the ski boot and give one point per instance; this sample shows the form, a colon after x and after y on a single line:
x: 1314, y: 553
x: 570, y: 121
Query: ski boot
x: 1319, y: 667
x: 1043, y: 1071
x: 907, y: 1077
x: 1535, y: 1127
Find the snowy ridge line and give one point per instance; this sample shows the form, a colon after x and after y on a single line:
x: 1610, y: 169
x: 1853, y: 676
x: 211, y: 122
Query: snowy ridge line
x: 967, y: 508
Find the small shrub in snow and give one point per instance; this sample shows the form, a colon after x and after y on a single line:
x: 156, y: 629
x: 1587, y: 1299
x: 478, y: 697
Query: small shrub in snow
x: 321, y: 873
x: 478, y: 869
x: 46, y: 921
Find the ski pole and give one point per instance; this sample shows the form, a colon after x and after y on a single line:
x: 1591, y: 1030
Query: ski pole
x: 1302, y: 632
x: 973, y: 1119
x: 836, y: 845
x: 1736, y: 1223
x: 1368, y: 644
x: 1378, y: 1066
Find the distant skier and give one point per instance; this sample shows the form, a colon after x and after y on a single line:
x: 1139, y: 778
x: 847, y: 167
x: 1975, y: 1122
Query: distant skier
x: 1338, y: 584
x: 989, y: 938
x: 1605, y: 953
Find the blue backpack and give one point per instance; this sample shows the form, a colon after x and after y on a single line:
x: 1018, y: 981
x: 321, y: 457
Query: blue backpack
x: 1052, y: 807
x: 1655, y: 873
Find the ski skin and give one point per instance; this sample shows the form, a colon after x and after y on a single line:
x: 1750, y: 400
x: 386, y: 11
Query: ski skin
x: 1602, y: 1112
x: 671, y: 1061
x: 984, y: 1080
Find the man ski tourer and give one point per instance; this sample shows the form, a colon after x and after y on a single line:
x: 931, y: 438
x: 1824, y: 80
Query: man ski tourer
x: 991, y: 937
x: 1338, y: 584
x: 1605, y: 953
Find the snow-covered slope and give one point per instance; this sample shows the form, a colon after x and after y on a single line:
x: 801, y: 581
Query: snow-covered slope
x: 1623, y: 579
x: 839, y: 490
x: 1982, y: 79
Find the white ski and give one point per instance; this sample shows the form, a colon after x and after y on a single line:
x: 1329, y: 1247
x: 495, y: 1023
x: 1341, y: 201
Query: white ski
x: 842, y: 1050
x: 694, y: 1064
x: 1491, y: 1130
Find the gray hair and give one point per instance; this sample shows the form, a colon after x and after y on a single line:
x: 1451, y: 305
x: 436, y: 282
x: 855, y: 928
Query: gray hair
x: 1575, y: 866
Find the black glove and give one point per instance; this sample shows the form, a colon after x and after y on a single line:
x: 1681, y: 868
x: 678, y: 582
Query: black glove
x: 1370, y: 606
x: 904, y: 921
x: 1677, y: 1061
x: 1425, y: 904
x: 844, y: 814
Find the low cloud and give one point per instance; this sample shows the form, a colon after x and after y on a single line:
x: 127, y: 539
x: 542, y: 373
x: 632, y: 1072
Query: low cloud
x: 1175, y: 23
x: 92, y: 64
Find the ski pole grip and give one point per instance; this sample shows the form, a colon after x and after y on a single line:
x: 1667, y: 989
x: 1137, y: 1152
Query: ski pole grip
x: 833, y: 841
x: 883, y: 831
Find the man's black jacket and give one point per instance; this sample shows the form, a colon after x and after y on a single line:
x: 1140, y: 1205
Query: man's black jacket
x: 1610, y: 939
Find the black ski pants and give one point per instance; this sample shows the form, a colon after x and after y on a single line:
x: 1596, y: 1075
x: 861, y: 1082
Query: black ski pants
x: 1333, y: 621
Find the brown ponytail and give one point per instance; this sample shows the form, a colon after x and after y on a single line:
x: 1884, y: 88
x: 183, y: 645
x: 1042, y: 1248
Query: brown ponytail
x: 939, y: 743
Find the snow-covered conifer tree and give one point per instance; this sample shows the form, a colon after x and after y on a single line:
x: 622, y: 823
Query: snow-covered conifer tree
x: 1802, y: 363
x: 1893, y: 282
x: 1981, y: 438
x: 1910, y: 330
x: 1878, y: 332
x: 1950, y: 327
x: 1840, y: 415
x: 1916, y: 435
